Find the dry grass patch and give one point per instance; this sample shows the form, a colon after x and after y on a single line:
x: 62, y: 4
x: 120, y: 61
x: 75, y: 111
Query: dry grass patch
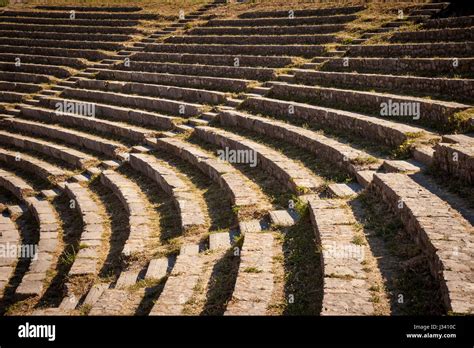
x: 235, y: 9
x: 169, y: 9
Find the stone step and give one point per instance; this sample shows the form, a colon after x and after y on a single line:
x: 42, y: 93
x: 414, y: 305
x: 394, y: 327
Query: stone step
x: 313, y: 39
x: 339, y: 154
x: 24, y: 77
x: 365, y: 177
x: 158, y: 268
x: 241, y: 191
x: 64, y: 21
x: 449, y: 22
x: 118, y: 113
x: 50, y: 194
x: 437, y: 35
x: 286, y: 78
x: 93, y: 45
x: 434, y: 113
x: 260, y: 90
x: 93, y: 171
x: 344, y: 190
x: 423, y: 12
x: 449, y: 255
x: 173, y: 107
x: 94, y: 293
x: 117, y: 302
x: 91, y: 37
x: 185, y: 129
x: 110, y: 165
x: 220, y: 240
x: 13, y: 97
x: 48, y: 92
x: 252, y: 226
x: 283, y: 218
x: 33, y: 281
x: 264, y: 50
x: 380, y: 130
x: 134, y: 203
x: 70, y: 28
x: 39, y: 168
x: 428, y: 67
x: 62, y: 84
x: 73, y: 157
x: 198, y: 122
x: 414, y: 50
x: 336, y: 53
x: 15, y: 211
x: 80, y: 178
x: 268, y: 30
x: 86, y: 260
x: 115, y: 128
x: 140, y: 149
x: 455, y: 89
x: 179, y: 287
x: 465, y: 139
x: 456, y: 159
x: 11, y: 112
x: 290, y: 173
x: 19, y: 87
x: 100, y: 14
x: 256, y: 22
x: 202, y: 70
x: 210, y: 59
x: 254, y: 284
x: 232, y: 102
x: 33, y: 102
x: 399, y: 166
x: 90, y: 8
x: 190, y: 95
x: 76, y: 138
x: 346, y: 287
x: 127, y: 279
x: 209, y: 116
x: 311, y: 65
x: 304, y: 13
x: 9, y: 235
x: 423, y: 154
x: 84, y: 53
x: 185, y: 199
x: 204, y: 82
x: 357, y: 41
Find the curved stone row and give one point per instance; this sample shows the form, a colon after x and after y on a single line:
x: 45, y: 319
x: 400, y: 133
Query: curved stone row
x: 9, y: 239
x: 131, y: 197
x: 34, y: 165
x: 69, y: 136
x: 346, y: 289
x: 295, y: 176
x: 443, y: 235
x: 44, y: 258
x: 241, y: 192
x: 340, y: 154
x: 73, y: 157
x: 87, y: 257
x: 191, y: 214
